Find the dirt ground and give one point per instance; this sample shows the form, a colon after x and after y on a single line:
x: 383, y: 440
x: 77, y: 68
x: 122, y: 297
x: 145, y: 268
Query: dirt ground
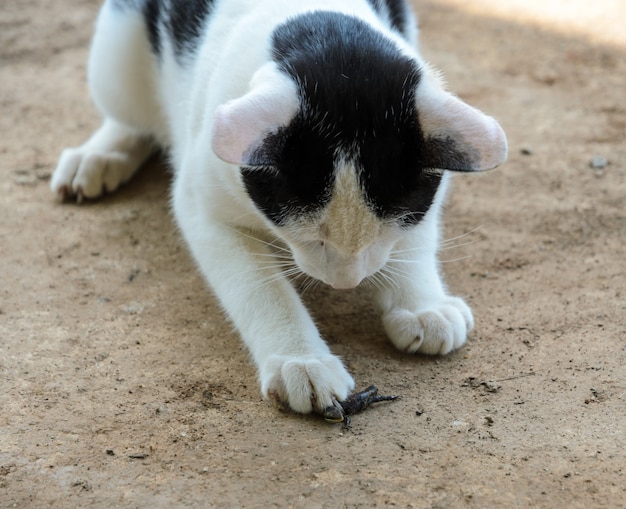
x: 122, y: 385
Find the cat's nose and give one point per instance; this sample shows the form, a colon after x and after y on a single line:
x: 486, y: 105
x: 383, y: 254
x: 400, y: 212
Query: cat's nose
x: 345, y: 271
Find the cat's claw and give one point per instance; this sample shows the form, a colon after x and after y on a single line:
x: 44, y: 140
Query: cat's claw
x: 306, y: 383
x: 436, y: 330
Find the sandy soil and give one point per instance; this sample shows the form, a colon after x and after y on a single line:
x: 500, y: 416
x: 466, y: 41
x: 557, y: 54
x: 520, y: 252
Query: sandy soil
x: 122, y: 385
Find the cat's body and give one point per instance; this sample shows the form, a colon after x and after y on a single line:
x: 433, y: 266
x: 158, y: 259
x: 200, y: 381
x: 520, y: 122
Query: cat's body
x: 306, y: 137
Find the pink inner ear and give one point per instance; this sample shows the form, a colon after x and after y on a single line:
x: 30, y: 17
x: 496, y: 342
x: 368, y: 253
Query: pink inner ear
x: 494, y: 149
x: 442, y: 115
x: 241, y: 125
x: 234, y: 138
x: 478, y: 131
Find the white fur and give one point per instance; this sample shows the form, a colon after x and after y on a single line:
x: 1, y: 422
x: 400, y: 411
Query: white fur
x: 228, y: 89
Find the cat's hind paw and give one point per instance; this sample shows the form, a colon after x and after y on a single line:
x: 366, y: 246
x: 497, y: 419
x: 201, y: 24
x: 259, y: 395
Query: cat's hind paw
x: 306, y: 383
x: 433, y: 330
x: 107, y: 160
x: 88, y: 175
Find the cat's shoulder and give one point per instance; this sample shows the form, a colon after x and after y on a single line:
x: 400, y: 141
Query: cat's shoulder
x: 183, y: 22
x: 398, y: 15
x: 179, y: 23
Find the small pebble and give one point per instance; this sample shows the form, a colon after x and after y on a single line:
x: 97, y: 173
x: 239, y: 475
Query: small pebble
x: 25, y: 179
x: 460, y: 426
x: 598, y: 162
x: 491, y: 386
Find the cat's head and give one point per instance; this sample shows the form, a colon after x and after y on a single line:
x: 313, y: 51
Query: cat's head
x: 342, y: 142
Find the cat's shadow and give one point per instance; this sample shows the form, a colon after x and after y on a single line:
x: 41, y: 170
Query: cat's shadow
x: 348, y: 319
x: 351, y: 324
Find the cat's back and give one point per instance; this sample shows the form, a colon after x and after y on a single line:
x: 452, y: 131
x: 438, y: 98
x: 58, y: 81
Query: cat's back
x: 182, y: 27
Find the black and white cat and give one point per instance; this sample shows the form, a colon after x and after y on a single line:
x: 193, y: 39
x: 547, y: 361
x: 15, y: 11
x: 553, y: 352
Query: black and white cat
x: 307, y: 137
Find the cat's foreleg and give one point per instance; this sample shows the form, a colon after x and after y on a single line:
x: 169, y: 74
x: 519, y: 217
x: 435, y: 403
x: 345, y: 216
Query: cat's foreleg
x: 417, y: 312
x: 294, y: 364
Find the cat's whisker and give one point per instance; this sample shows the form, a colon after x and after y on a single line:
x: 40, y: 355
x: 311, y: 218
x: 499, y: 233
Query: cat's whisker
x: 455, y: 259
x: 443, y: 245
x: 275, y: 256
x: 398, y: 274
x: 388, y: 281
x: 281, y: 260
x: 309, y: 283
x: 385, y: 281
x: 389, y: 270
x: 407, y: 214
x: 403, y: 260
x: 373, y: 281
x: 286, y: 274
x: 273, y: 244
x: 239, y: 218
x: 387, y: 276
x: 455, y: 246
x: 277, y: 268
x: 416, y: 249
x: 274, y: 264
x: 300, y: 232
x: 461, y: 236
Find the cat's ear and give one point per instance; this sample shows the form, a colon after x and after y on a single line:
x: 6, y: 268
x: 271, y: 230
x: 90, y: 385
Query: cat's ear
x: 240, y: 126
x: 457, y: 136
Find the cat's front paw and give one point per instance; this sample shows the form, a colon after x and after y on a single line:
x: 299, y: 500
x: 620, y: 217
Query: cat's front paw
x: 306, y: 383
x: 433, y: 330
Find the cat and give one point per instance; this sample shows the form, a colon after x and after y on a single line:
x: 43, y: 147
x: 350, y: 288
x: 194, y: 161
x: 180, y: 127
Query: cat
x: 308, y: 138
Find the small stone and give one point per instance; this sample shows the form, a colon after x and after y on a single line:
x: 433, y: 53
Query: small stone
x: 460, y: 426
x: 25, y: 179
x: 525, y: 151
x: 598, y: 162
x: 42, y: 174
x: 491, y: 386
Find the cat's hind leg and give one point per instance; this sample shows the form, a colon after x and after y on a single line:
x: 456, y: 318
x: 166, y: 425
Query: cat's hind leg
x: 108, y: 159
x: 123, y: 75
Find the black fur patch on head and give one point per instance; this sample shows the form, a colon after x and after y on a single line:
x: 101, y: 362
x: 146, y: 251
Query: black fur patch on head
x: 357, y: 93
x: 182, y: 20
x: 301, y: 175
